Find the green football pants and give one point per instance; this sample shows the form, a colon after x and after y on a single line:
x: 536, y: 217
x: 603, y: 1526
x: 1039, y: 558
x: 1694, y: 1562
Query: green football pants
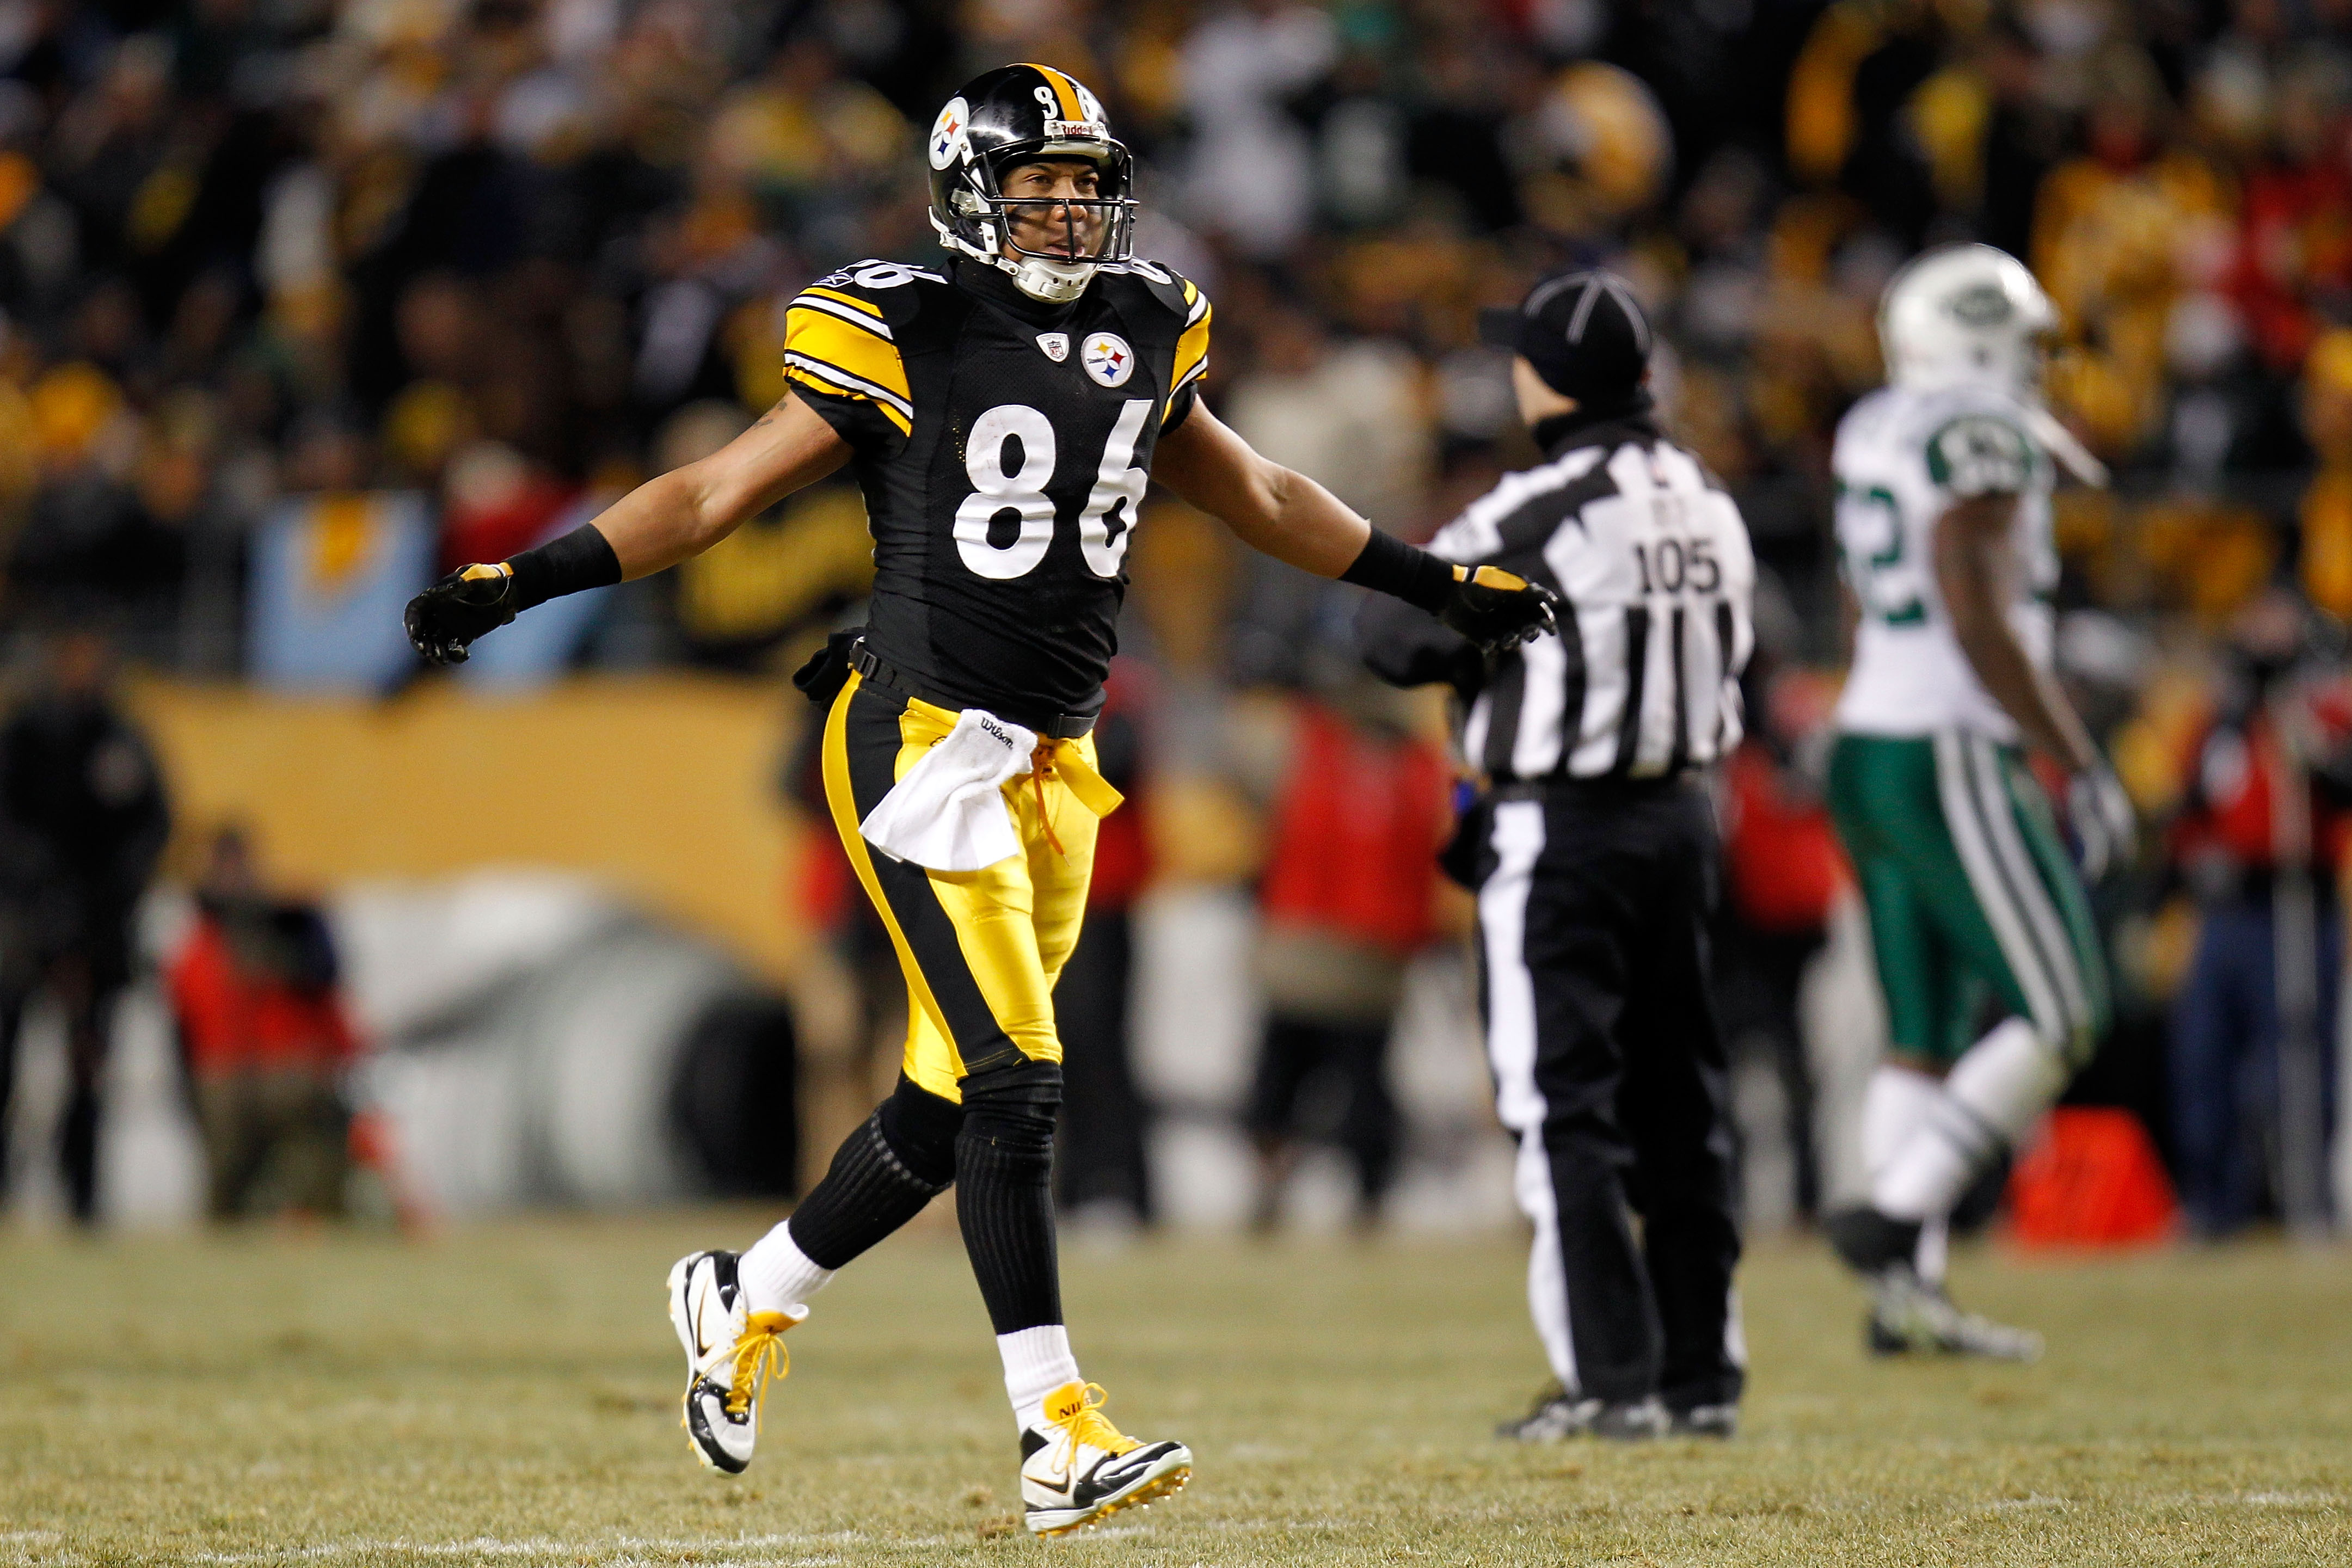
x: 1970, y: 892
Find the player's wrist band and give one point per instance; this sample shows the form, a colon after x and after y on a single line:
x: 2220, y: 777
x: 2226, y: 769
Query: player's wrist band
x: 580, y: 559
x: 1391, y: 566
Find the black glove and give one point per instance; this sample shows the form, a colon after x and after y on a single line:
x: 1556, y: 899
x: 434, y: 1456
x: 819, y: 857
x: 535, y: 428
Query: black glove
x: 444, y: 619
x: 827, y: 670
x: 1498, y: 610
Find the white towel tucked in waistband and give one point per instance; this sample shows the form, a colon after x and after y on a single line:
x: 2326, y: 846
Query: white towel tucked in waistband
x: 947, y: 813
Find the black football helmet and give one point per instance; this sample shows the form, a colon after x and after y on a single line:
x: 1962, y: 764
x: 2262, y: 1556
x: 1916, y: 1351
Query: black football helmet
x: 1017, y: 114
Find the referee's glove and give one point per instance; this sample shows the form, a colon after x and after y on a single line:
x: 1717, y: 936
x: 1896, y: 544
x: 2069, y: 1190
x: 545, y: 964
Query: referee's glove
x: 2107, y: 829
x: 1498, y: 610
x: 444, y: 620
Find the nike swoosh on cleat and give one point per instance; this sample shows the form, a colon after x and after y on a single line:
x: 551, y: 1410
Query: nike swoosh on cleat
x: 1068, y: 1482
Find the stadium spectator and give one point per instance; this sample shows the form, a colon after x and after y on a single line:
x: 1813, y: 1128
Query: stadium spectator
x: 1251, y: 162
x: 1347, y: 415
x: 83, y: 819
x: 266, y: 1040
x: 2326, y: 507
x: 2249, y: 843
x: 1101, y: 1177
x: 2293, y: 267
x: 1784, y: 873
x: 1347, y: 897
x: 90, y: 548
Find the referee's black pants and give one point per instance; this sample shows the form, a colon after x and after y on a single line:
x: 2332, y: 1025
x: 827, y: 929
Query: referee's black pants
x: 1593, y: 905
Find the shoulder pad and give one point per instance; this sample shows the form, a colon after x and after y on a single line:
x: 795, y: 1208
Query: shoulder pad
x: 1167, y: 288
x: 891, y: 289
x: 1982, y: 451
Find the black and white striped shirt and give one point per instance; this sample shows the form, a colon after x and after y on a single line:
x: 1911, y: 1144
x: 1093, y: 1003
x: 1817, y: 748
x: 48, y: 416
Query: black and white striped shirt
x: 1653, y: 564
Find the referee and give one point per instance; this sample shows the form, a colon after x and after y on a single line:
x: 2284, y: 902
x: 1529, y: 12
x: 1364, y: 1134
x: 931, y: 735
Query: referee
x: 1592, y: 850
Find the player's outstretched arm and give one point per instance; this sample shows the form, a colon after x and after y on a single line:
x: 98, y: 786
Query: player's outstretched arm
x: 661, y: 522
x: 1293, y: 518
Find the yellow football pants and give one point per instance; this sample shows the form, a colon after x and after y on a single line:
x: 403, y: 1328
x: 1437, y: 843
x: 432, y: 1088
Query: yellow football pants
x: 980, y: 949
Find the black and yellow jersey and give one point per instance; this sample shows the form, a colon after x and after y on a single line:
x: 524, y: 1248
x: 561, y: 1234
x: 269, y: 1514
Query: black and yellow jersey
x: 1004, y: 448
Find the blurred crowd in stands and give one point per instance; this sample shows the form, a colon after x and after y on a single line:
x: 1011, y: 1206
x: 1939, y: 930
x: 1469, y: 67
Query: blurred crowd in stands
x: 304, y: 301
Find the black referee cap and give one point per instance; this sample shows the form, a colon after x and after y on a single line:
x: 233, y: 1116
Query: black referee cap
x: 1583, y: 332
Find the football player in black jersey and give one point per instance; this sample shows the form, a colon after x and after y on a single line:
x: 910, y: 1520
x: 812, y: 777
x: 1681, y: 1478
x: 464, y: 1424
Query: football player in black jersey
x: 1003, y: 413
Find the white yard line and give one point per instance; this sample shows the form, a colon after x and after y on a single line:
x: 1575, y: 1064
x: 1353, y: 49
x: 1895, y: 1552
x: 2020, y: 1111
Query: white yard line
x: 540, y: 1546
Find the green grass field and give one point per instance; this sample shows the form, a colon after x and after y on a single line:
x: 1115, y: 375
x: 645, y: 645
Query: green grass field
x: 508, y: 1395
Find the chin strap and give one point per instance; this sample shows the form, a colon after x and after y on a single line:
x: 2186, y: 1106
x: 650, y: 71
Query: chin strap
x: 1049, y: 282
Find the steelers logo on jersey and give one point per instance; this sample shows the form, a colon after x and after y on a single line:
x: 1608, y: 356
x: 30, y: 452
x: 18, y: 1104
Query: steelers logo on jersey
x: 1108, y: 359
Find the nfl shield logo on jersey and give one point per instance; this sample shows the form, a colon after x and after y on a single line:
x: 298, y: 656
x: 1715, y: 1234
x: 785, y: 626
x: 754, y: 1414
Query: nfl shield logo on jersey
x: 1108, y: 359
x: 1056, y: 344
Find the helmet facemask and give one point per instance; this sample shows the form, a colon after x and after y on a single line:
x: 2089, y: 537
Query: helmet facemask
x: 1055, y: 243
x: 1006, y: 120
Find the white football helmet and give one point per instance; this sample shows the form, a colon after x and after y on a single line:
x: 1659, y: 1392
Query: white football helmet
x: 1964, y: 315
x: 1961, y: 314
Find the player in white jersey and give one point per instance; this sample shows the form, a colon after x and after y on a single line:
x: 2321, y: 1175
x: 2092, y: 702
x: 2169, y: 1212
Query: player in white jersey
x: 1943, y: 480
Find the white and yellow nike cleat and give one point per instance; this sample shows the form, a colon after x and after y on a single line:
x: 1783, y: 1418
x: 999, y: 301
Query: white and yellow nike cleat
x: 730, y: 1354
x: 1077, y: 1469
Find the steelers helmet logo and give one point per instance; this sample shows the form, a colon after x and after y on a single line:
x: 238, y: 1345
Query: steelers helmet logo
x: 1108, y: 359
x: 947, y: 133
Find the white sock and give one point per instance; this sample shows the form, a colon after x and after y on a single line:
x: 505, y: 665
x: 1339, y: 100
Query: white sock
x: 1896, y: 1100
x: 776, y: 1274
x: 1990, y: 1101
x: 2008, y: 1079
x: 1934, y: 1252
x: 1036, y: 1362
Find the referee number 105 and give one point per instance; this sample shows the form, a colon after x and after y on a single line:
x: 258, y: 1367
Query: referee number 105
x: 1670, y: 566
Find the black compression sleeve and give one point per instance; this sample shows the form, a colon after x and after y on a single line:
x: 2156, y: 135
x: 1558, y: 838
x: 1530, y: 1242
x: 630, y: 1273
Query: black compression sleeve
x: 1391, y: 566
x: 580, y: 559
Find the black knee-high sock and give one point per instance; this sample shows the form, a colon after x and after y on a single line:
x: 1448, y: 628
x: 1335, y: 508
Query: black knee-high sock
x: 881, y: 1176
x: 1005, y: 1200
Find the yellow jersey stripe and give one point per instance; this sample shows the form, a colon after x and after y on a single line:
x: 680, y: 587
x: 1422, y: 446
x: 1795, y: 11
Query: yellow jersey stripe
x: 1063, y: 89
x: 868, y: 323
x: 849, y: 359
x: 842, y: 381
x: 849, y: 299
x: 839, y: 798
x: 825, y: 377
x: 1192, y: 355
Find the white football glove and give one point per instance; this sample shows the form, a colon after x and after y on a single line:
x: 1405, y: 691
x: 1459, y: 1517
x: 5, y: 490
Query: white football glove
x: 2107, y: 829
